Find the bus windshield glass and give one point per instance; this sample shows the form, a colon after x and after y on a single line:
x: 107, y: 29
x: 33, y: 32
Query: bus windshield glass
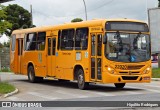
x: 125, y: 47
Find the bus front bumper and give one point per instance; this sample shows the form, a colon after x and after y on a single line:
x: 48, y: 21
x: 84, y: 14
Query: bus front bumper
x: 112, y: 78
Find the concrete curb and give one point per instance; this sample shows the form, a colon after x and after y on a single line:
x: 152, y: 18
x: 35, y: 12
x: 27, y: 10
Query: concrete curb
x: 11, y: 93
x: 6, y: 73
x: 155, y: 79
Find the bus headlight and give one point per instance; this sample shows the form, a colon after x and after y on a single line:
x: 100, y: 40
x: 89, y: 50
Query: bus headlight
x: 111, y: 70
x: 146, y: 71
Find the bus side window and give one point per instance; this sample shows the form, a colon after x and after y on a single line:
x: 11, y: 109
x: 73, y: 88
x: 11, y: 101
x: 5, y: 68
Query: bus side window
x: 67, y: 39
x: 49, y: 46
x: 99, y: 47
x: 31, y: 41
x: 81, y: 40
x: 53, y: 46
x: 64, y: 39
x: 25, y: 38
x: 13, y: 42
x: 59, y: 40
x: 41, y: 40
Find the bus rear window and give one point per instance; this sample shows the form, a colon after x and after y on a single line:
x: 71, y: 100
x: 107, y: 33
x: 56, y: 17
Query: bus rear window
x: 13, y: 42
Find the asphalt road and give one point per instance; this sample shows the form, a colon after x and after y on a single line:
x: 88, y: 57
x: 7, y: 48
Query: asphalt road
x: 53, y: 90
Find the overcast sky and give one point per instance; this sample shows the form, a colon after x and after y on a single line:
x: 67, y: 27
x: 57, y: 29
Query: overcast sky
x: 51, y: 12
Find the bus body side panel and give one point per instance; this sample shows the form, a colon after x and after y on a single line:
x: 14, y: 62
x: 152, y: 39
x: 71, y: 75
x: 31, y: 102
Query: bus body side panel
x: 84, y: 62
x: 38, y: 61
x: 64, y: 64
x: 24, y: 64
x: 14, y: 58
x: 41, y: 64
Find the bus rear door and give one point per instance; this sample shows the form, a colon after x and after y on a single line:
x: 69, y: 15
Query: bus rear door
x: 51, y: 59
x: 20, y: 50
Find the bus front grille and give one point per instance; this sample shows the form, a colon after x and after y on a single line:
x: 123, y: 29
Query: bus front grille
x: 129, y: 73
x: 129, y: 77
x: 135, y: 67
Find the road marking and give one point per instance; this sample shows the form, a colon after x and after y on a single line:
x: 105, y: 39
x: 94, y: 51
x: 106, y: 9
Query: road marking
x: 73, y: 94
x: 130, y: 92
x: 43, y: 96
x: 15, y: 99
x: 103, y: 94
x: 152, y: 86
x: 100, y: 93
x: 157, y: 91
x: 146, y: 89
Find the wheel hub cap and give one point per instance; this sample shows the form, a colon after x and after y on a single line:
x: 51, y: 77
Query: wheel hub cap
x: 80, y: 79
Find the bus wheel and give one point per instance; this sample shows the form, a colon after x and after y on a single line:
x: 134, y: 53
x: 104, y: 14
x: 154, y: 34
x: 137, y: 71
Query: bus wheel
x: 31, y: 75
x: 119, y: 85
x: 81, y: 81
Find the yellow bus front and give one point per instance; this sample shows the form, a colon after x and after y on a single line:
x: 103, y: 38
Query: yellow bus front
x: 127, y: 53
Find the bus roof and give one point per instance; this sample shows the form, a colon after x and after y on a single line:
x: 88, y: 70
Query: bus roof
x: 89, y: 23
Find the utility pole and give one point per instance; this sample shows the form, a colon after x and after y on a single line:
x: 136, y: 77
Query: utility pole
x: 31, y: 15
x: 147, y: 10
x: 85, y: 9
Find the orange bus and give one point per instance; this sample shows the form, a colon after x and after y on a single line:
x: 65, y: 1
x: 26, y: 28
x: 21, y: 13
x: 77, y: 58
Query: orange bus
x: 100, y: 51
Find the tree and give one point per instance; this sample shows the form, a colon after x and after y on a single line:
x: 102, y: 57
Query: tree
x: 159, y: 3
x: 18, y: 16
x: 6, y: 44
x: 4, y: 25
x: 77, y: 20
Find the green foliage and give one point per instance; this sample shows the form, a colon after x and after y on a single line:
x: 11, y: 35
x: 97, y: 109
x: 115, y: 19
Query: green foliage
x: 6, y: 87
x: 6, y: 44
x: 5, y: 69
x: 4, y: 25
x: 18, y: 16
x: 159, y: 3
x: 156, y: 72
x: 77, y: 20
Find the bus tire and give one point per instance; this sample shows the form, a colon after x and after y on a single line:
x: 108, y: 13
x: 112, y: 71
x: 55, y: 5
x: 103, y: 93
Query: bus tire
x: 81, y: 80
x: 119, y: 85
x: 31, y: 75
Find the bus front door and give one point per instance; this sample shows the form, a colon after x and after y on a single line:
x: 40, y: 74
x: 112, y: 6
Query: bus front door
x: 96, y: 57
x: 51, y: 60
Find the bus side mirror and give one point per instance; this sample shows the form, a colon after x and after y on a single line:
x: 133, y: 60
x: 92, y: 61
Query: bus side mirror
x: 105, y: 39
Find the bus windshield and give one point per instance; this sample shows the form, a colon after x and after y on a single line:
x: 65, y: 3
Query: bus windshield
x: 125, y: 47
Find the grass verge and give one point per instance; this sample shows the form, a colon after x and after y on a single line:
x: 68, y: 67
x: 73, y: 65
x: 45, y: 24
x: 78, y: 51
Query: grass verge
x: 6, y: 88
x: 156, y: 73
